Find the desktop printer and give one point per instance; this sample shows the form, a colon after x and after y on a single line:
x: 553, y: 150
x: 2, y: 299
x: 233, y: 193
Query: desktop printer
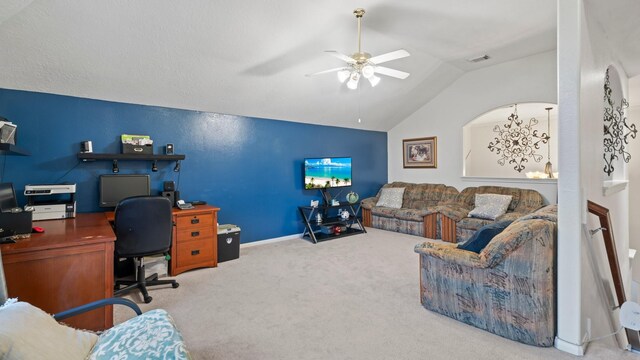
x: 51, y: 203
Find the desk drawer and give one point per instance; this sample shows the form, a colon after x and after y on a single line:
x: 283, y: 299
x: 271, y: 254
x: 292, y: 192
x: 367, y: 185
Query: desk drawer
x: 194, y: 233
x: 196, y: 220
x: 195, y: 253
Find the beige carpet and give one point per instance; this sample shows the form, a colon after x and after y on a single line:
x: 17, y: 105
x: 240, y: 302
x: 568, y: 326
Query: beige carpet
x: 350, y: 298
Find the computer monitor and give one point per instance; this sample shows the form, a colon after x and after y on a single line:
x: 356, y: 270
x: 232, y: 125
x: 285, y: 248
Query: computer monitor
x: 7, y: 197
x: 114, y: 188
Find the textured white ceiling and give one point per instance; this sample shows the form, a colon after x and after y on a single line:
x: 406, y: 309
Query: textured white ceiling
x: 249, y: 57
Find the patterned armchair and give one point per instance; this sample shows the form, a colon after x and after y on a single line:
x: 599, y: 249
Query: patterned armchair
x: 507, y: 289
x: 27, y: 332
x: 418, y: 215
x: 458, y: 227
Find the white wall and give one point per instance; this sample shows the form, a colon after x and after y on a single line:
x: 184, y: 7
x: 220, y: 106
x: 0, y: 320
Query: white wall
x: 583, y: 57
x: 634, y: 183
x: 524, y: 80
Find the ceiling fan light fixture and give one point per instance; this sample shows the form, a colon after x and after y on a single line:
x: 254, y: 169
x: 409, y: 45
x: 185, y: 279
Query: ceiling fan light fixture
x: 368, y: 71
x: 343, y: 75
x: 353, y: 83
x: 373, y: 80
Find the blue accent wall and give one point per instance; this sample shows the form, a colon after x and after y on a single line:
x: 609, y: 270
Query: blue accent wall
x: 251, y: 168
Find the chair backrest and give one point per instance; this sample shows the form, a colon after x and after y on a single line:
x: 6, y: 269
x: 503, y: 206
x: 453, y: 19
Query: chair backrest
x: 143, y: 226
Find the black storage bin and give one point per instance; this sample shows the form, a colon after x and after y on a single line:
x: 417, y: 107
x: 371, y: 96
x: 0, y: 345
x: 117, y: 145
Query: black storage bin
x: 228, y: 242
x: 137, y: 149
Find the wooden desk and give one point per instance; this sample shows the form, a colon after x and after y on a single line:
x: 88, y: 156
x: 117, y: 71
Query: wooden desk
x: 68, y: 265
x: 195, y: 238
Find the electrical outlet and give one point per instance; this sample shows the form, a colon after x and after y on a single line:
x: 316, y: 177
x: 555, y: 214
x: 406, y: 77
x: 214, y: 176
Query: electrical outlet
x: 588, y: 328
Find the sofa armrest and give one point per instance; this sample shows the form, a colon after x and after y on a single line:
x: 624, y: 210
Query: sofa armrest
x: 515, y: 235
x: 369, y: 203
x: 510, y: 216
x: 451, y: 254
x: 453, y: 212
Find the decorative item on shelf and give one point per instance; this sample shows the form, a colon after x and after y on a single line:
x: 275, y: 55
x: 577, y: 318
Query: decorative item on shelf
x: 352, y: 197
x: 420, y: 153
x: 344, y: 215
x: 319, y: 218
x: 548, y: 168
x: 136, y: 144
x: 616, y: 129
x: 335, y: 202
x: 517, y: 142
x: 7, y: 131
x: 314, y: 203
x: 337, y: 229
x: 86, y: 146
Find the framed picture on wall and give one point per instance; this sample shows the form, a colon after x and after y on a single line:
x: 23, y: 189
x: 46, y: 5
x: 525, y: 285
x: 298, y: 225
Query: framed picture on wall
x: 420, y: 153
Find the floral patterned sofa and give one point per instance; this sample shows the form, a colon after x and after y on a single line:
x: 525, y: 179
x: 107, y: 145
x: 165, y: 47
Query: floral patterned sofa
x: 438, y: 211
x: 418, y: 214
x: 507, y: 288
x: 457, y: 226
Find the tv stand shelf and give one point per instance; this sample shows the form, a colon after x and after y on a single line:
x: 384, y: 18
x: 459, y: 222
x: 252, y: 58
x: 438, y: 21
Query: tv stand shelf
x: 312, y: 227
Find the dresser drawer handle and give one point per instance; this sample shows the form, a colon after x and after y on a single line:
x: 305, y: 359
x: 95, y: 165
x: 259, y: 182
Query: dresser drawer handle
x: 195, y: 252
x: 195, y: 233
x: 195, y: 221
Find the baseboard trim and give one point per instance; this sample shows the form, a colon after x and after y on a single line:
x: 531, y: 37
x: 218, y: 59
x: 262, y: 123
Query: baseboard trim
x: 568, y: 347
x: 270, y: 241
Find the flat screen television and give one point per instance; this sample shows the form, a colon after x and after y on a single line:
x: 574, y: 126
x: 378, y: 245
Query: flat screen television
x: 328, y: 172
x: 114, y: 188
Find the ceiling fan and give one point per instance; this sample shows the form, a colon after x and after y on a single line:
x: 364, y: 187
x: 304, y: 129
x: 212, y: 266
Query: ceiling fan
x: 361, y: 64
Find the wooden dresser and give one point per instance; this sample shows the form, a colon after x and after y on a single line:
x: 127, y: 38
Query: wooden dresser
x: 68, y: 265
x: 195, y: 242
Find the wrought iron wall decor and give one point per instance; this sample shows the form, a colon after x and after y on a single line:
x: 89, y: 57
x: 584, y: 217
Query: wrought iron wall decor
x: 616, y: 129
x: 517, y: 141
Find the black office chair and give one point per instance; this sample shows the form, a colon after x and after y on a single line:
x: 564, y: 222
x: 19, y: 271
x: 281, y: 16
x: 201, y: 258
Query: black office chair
x: 143, y: 227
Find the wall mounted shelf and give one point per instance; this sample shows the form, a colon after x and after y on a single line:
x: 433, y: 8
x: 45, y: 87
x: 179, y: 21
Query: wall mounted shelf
x: 129, y: 157
x: 10, y: 149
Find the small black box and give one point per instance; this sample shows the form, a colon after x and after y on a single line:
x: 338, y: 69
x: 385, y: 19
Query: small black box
x: 137, y: 149
x: 228, y: 242
x: 169, y: 186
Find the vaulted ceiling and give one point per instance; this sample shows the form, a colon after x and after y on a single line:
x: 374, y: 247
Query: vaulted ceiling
x: 250, y: 58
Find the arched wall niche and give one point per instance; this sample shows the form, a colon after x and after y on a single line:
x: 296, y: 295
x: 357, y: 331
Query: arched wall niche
x: 520, y: 147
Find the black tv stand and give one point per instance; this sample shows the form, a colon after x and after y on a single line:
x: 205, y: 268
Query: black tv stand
x: 330, y: 218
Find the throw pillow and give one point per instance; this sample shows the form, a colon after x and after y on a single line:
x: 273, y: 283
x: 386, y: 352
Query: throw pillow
x: 490, y: 206
x: 27, y: 332
x: 391, y: 198
x: 481, y: 238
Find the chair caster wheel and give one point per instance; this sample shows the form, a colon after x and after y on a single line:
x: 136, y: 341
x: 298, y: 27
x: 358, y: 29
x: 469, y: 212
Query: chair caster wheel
x: 175, y: 285
x: 147, y: 299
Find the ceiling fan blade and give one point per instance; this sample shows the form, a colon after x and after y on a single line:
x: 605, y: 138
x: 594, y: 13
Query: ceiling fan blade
x: 340, y: 56
x: 391, y: 72
x: 398, y: 54
x: 327, y: 71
